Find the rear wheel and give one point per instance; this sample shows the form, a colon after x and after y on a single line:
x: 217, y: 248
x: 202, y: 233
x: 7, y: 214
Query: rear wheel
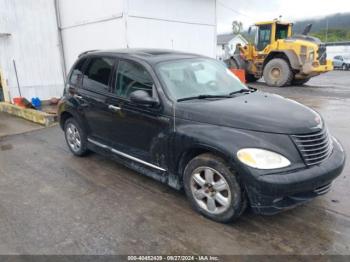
x: 344, y: 67
x: 277, y: 72
x: 299, y: 82
x: 213, y: 189
x: 75, y: 137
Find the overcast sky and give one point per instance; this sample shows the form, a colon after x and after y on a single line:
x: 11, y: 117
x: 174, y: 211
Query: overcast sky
x: 250, y: 11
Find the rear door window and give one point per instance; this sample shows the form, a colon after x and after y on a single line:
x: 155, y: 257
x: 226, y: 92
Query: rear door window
x: 131, y: 77
x: 98, y: 73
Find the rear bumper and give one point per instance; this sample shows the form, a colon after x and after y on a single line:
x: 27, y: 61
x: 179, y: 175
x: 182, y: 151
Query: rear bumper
x: 277, y: 192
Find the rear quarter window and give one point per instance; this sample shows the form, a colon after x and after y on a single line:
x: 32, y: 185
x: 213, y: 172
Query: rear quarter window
x: 77, y: 72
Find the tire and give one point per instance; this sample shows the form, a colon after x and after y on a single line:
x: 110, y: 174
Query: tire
x: 250, y: 78
x: 299, y: 82
x: 277, y: 72
x: 344, y: 67
x: 76, y: 137
x: 213, y: 189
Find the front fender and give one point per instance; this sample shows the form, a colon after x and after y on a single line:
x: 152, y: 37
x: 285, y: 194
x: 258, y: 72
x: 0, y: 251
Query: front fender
x: 293, y: 59
x: 226, y: 141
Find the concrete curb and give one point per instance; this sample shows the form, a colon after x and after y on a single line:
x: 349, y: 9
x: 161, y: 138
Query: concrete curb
x: 29, y: 114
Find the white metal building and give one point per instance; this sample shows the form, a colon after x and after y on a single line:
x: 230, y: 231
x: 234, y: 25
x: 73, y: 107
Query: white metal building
x: 28, y: 35
x: 187, y: 25
x: 46, y: 36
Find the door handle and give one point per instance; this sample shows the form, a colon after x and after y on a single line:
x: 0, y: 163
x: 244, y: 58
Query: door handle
x: 78, y: 96
x: 114, y: 108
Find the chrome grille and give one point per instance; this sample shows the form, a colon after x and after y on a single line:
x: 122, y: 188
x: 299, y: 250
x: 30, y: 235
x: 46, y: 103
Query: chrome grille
x: 314, y: 147
x: 323, y: 189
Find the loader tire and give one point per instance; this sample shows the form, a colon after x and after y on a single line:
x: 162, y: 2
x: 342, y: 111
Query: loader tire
x: 250, y: 78
x: 277, y: 72
x: 299, y: 82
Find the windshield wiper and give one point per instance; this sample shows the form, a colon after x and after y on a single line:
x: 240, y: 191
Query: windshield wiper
x: 244, y: 91
x: 203, y: 97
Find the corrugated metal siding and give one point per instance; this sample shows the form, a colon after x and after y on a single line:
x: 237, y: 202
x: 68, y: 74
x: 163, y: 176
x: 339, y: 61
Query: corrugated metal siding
x: 102, y: 35
x: 34, y: 45
x: 187, y: 25
x: 150, y: 33
x: 181, y: 25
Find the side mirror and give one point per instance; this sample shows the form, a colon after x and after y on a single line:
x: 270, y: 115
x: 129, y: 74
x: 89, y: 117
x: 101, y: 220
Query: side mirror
x: 141, y: 97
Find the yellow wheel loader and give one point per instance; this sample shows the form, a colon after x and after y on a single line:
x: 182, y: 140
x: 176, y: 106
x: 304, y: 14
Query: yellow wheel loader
x: 279, y: 57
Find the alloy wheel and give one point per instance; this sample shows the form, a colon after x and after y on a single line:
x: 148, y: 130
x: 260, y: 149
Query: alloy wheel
x: 73, y: 137
x: 210, y: 190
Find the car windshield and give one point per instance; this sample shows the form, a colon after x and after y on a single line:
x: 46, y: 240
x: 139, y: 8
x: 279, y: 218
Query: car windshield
x: 198, y: 77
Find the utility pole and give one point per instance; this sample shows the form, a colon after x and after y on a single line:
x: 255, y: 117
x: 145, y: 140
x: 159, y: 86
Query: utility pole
x: 326, y: 30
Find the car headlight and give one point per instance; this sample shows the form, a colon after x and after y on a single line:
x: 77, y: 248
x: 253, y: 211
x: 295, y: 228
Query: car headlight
x: 262, y: 159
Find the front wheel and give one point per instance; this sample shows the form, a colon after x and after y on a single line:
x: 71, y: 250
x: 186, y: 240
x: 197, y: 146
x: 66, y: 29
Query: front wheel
x: 213, y: 189
x: 344, y: 67
x: 277, y: 72
x: 250, y: 78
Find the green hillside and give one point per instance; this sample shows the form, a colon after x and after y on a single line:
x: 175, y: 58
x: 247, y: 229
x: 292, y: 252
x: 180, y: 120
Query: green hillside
x: 338, y: 27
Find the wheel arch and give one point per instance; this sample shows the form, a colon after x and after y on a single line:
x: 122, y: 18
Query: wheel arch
x: 66, y: 114
x: 63, y: 118
x: 188, y: 154
x: 288, y: 55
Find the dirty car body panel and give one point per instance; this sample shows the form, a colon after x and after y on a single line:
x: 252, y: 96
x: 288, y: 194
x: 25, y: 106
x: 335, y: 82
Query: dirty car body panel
x: 159, y: 140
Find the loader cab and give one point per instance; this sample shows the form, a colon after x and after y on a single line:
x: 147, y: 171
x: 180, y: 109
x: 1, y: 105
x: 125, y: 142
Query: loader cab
x: 267, y: 33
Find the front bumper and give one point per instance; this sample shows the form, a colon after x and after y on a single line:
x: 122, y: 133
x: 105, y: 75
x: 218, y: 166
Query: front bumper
x: 270, y: 194
x: 310, y: 70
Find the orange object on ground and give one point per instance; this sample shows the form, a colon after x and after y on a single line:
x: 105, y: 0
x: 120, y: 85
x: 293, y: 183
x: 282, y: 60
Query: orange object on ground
x: 240, y: 73
x: 18, y: 101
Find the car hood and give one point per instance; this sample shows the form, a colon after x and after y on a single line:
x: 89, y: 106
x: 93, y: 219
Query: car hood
x: 256, y: 111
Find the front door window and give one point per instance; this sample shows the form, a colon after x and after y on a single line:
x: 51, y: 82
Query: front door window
x: 132, y: 77
x: 264, y: 37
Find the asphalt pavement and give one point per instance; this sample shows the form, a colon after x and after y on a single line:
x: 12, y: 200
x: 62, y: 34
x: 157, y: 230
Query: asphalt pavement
x: 10, y: 125
x: 54, y: 203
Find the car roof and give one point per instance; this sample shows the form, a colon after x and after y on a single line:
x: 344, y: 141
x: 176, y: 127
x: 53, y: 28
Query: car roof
x: 152, y: 56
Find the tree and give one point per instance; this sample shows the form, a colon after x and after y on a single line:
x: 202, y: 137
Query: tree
x: 237, y: 27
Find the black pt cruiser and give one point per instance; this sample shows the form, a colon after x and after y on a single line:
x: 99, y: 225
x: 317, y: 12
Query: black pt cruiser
x: 187, y: 121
